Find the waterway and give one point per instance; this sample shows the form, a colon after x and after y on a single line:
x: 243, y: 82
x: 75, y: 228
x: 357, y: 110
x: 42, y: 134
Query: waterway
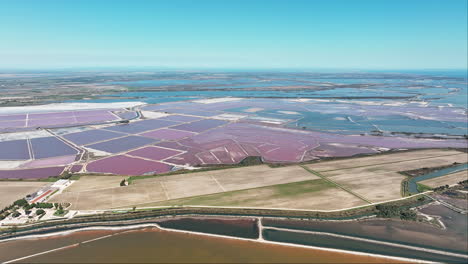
x: 413, y: 186
x: 152, y: 245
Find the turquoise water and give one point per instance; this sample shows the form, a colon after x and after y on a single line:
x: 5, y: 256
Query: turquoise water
x: 341, y: 115
x: 413, y: 187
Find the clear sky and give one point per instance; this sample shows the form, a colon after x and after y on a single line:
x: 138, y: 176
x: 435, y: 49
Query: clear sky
x: 340, y: 34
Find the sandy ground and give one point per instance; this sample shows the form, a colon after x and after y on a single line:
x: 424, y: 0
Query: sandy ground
x: 244, y: 178
x: 317, y: 196
x: 375, y: 178
x: 380, y: 159
x: 449, y: 179
x: 111, y: 197
x: 383, y: 182
x: 14, y: 190
x: 102, y: 192
x: 87, y: 183
x: 373, y: 186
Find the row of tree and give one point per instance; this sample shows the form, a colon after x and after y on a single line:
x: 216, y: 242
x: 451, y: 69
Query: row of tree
x: 392, y: 211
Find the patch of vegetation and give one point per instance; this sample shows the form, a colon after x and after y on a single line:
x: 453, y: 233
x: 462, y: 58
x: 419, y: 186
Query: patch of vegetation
x: 123, y: 183
x: 298, y: 188
x: 75, y: 177
x: 60, y: 211
x: 441, y: 188
x: 458, y: 191
x: 394, y: 211
x: 426, y: 170
x: 44, y: 205
x: 50, y: 179
x: 422, y: 187
x: 40, y: 212
x: 20, y: 202
x: 66, y: 175
x: 16, y: 214
x: 404, y: 191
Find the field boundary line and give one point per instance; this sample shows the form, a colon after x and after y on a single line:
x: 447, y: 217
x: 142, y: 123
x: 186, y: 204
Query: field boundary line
x: 336, y: 184
x: 165, y: 190
x: 219, y: 184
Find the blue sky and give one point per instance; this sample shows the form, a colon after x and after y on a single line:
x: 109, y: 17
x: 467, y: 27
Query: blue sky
x: 337, y: 34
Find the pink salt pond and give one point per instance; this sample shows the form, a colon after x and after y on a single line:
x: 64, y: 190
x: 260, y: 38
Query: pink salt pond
x: 37, y: 173
x: 168, y: 134
x: 154, y: 153
x: 76, y: 168
x: 64, y: 160
x: 124, y: 165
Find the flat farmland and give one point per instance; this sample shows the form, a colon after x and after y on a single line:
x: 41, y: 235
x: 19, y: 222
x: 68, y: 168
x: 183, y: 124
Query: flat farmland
x: 113, y: 197
x: 374, y: 186
x: 377, y: 178
x: 228, y: 180
x: 313, y: 194
x: 346, y: 183
x: 449, y: 179
x: 12, y: 191
x: 422, y: 163
x: 87, y: 183
x: 382, y: 159
x: 90, y: 192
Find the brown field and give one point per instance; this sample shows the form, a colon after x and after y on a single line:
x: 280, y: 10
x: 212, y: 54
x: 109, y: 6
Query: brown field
x: 87, y: 183
x: 14, y: 190
x: 90, y: 192
x: 449, y: 179
x: 380, y: 181
x: 111, y: 197
x: 231, y: 179
x: 374, y: 178
x: 381, y: 159
x: 313, y: 195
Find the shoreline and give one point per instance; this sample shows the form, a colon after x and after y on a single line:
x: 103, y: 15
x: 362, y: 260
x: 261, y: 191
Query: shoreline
x: 153, y: 225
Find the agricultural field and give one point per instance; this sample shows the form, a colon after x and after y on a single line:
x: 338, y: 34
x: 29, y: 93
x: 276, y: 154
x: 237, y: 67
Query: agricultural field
x: 313, y: 195
x: 12, y: 191
x: 449, y: 179
x: 387, y: 158
x: 326, y: 185
x: 377, y: 177
x: 87, y: 183
x: 88, y: 194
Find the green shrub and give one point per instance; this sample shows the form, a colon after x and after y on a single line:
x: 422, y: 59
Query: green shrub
x: 21, y: 202
x: 40, y: 212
